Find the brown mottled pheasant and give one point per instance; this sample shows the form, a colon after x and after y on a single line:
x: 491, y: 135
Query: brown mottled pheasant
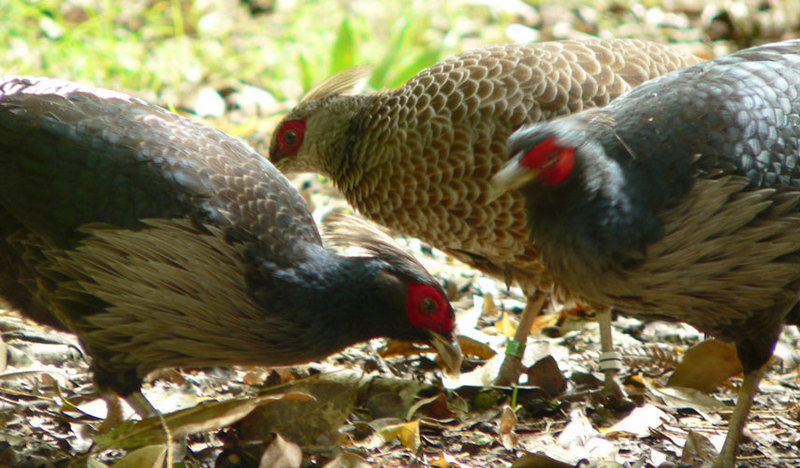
x: 418, y: 159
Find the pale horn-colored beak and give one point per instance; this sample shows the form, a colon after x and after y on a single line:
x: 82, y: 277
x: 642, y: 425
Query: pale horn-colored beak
x: 510, y: 177
x: 449, y: 351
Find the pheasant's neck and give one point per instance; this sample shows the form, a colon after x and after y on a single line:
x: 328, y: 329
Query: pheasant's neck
x: 373, y: 140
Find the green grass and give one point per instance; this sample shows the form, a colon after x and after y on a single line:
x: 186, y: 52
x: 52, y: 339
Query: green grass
x: 163, y: 49
x: 149, y: 47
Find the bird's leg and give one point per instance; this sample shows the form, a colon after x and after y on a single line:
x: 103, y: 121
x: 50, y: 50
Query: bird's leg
x: 610, y: 360
x: 114, y: 418
x: 512, y: 365
x: 145, y: 409
x: 739, y: 418
x: 141, y: 405
x: 113, y: 411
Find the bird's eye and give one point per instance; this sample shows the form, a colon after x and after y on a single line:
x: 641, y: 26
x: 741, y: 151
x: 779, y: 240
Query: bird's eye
x: 428, y: 306
x: 290, y: 136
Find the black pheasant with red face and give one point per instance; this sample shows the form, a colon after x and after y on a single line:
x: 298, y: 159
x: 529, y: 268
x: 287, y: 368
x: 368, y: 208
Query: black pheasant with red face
x: 679, y: 200
x: 163, y: 242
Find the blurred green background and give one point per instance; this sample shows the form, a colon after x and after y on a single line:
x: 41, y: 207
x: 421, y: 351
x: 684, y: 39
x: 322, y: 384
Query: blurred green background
x: 179, y: 52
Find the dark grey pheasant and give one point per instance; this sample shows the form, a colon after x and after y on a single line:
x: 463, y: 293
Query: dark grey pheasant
x: 164, y: 242
x: 418, y: 159
x: 680, y: 200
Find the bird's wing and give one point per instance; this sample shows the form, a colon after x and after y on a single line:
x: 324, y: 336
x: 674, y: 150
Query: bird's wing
x: 72, y: 155
x: 738, y: 114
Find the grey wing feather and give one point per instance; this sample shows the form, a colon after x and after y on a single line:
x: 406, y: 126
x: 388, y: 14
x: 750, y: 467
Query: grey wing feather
x: 739, y: 114
x: 71, y: 155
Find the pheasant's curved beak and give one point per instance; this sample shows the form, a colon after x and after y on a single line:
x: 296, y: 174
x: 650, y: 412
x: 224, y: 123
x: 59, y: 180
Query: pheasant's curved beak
x: 449, y: 350
x: 511, y: 176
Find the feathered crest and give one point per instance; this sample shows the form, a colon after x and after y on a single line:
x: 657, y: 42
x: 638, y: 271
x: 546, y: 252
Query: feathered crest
x: 350, y: 81
x: 346, y: 230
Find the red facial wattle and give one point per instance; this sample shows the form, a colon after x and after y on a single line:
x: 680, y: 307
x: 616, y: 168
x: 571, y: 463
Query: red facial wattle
x: 553, y: 161
x: 290, y: 137
x: 427, y: 308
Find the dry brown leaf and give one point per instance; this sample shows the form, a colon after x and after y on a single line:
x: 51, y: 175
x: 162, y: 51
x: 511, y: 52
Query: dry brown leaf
x: 398, y: 348
x: 489, y: 306
x: 408, y: 433
x: 508, y: 422
x: 470, y: 347
x: 506, y: 325
x: 435, y: 407
x: 151, y: 456
x: 201, y: 418
x: 639, y: 421
x: 281, y: 454
x: 348, y: 460
x: 445, y: 460
x: 538, y: 460
x: 543, y: 321
x: 546, y: 375
x: 706, y: 366
x: 697, y: 446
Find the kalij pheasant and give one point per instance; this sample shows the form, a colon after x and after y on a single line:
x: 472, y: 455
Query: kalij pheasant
x: 164, y: 242
x: 418, y: 159
x: 680, y: 200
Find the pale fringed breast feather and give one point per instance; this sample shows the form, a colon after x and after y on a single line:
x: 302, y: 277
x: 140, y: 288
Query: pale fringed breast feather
x: 168, y: 285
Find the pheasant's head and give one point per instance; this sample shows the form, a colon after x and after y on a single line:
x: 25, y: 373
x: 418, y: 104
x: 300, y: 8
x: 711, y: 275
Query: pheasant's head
x: 287, y: 141
x: 547, y: 160
x: 307, y: 139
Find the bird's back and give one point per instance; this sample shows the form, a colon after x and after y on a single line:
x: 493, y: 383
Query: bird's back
x: 79, y: 162
x: 418, y: 159
x: 739, y: 114
x: 72, y: 155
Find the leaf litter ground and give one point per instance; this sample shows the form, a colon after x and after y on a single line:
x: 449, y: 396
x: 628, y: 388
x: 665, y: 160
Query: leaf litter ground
x: 380, y: 404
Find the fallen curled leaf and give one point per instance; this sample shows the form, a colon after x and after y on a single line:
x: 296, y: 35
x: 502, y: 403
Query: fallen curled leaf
x: 281, y: 454
x: 543, y: 321
x: 508, y: 422
x: 639, y: 421
x: 446, y: 460
x: 469, y: 347
x: 475, y: 348
x: 681, y: 397
x: 546, y: 375
x: 151, y: 456
x: 697, y: 446
x: 3, y: 355
x: 434, y: 407
x: 407, y: 433
x: 348, y: 460
x: 538, y: 460
x: 398, y: 348
x: 489, y: 306
x: 204, y: 417
x: 506, y: 325
x: 706, y: 366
